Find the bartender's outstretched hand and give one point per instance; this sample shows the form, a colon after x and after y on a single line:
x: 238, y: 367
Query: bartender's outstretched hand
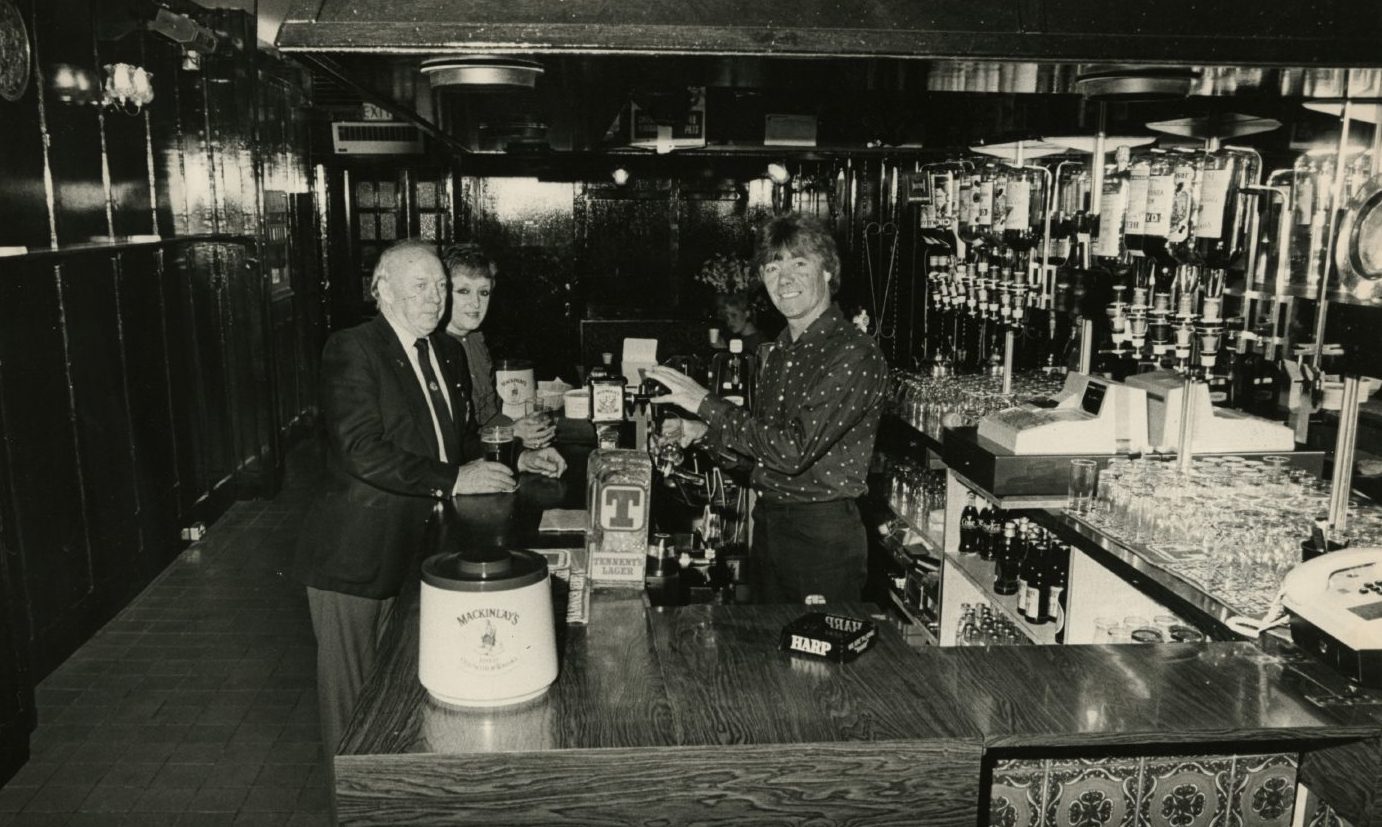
x: 483, y: 477
x: 684, y: 391
x: 546, y: 462
x: 535, y: 431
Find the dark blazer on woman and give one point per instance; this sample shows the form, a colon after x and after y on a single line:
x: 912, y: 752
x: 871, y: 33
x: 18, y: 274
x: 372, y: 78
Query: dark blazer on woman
x: 383, y: 476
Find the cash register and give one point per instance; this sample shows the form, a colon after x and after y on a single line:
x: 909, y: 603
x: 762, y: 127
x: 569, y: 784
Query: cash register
x: 1335, y: 603
x: 1090, y: 415
x: 1215, y: 430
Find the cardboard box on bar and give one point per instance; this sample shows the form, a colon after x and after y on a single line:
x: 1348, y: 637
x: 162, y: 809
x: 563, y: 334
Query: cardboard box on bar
x: 619, y: 491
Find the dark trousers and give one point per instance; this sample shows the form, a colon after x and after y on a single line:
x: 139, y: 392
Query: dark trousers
x: 801, y: 549
x: 347, y: 629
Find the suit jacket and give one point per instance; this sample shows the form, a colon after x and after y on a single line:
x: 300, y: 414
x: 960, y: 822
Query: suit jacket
x: 363, y: 531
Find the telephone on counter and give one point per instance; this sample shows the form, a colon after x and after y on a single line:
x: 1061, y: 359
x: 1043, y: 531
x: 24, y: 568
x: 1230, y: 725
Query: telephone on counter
x: 1215, y: 430
x: 1335, y: 602
x: 1091, y: 415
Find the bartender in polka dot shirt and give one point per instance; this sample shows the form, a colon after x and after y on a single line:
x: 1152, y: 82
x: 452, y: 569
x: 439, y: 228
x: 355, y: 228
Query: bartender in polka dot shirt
x: 811, y: 431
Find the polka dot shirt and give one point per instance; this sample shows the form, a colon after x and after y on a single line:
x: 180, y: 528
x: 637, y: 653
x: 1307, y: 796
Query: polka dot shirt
x: 815, y: 416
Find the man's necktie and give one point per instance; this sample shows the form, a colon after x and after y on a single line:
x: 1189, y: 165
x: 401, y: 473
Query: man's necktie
x: 449, y: 440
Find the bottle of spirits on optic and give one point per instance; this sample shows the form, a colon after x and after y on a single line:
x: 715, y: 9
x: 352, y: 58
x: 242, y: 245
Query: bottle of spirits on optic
x: 606, y: 388
x: 1220, y: 219
x: 969, y: 526
x: 1161, y: 194
x: 732, y: 372
x: 981, y: 213
x: 1185, y: 196
x: 1113, y: 208
x: 1025, y: 187
x: 1139, y: 176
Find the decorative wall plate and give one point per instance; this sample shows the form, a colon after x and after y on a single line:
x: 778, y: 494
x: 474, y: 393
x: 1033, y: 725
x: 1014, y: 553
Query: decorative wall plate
x: 15, y: 60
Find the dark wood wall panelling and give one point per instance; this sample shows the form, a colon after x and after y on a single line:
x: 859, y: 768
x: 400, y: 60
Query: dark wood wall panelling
x: 151, y: 365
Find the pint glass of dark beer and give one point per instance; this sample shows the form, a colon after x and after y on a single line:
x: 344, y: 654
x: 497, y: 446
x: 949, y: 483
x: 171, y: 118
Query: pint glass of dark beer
x: 499, y: 445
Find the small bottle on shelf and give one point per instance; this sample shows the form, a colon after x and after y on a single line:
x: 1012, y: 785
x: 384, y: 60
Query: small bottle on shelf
x: 969, y: 526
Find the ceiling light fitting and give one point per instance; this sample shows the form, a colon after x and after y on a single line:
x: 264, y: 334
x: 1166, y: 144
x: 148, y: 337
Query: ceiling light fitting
x: 481, y: 73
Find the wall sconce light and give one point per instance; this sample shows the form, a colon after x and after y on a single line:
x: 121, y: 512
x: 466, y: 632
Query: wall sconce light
x: 620, y: 176
x: 778, y: 174
x: 69, y: 83
x: 127, y: 88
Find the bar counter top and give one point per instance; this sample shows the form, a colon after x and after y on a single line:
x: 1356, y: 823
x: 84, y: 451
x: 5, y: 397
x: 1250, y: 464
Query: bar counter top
x: 692, y: 714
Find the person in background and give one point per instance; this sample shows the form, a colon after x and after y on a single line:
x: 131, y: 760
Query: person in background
x: 811, y: 432
x: 736, y: 311
x: 472, y: 274
x: 400, y: 440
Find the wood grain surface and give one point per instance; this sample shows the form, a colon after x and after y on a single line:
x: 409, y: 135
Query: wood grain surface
x: 932, y: 783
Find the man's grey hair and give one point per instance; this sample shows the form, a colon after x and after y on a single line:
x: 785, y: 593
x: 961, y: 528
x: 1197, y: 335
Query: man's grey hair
x: 386, y: 260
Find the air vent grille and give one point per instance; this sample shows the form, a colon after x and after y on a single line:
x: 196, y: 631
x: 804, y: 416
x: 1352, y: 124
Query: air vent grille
x: 375, y: 138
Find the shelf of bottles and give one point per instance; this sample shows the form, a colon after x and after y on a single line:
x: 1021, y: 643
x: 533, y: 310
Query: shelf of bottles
x: 1014, y: 566
x: 981, y: 625
x: 1231, y: 527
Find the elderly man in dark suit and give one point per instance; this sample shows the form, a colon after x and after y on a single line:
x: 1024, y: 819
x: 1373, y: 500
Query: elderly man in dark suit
x: 395, y: 403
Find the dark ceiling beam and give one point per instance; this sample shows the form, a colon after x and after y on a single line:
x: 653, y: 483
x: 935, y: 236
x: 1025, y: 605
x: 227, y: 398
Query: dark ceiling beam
x: 1179, y: 32
x: 338, y: 73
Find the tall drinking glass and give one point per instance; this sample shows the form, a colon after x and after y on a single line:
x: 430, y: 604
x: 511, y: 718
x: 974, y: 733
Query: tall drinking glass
x: 1084, y: 478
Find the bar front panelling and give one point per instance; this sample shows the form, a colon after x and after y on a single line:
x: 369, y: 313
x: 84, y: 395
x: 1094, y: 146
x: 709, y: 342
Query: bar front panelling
x: 45, y: 481
x: 154, y: 447
x: 96, y: 371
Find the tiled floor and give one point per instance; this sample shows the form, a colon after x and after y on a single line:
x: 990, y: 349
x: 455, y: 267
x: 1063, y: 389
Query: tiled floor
x: 196, y: 705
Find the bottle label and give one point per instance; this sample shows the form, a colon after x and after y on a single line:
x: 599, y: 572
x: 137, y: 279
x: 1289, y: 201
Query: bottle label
x: 1112, y: 211
x: 1032, y: 604
x: 1161, y: 192
x: 606, y: 402
x: 1019, y: 205
x: 1022, y: 595
x: 1213, y: 197
x: 1182, y: 183
x: 1057, y: 610
x: 965, y: 202
x: 983, y: 204
x: 1137, y: 202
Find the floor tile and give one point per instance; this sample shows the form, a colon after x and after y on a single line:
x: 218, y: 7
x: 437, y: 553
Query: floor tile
x: 182, y: 775
x: 284, y: 775
x: 57, y: 798
x: 218, y: 799
x: 131, y: 774
x: 13, y: 799
x: 111, y: 799
x: 270, y: 799
x: 165, y: 799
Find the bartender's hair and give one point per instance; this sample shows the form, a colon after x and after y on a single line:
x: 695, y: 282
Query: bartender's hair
x: 469, y: 258
x: 792, y: 235
x: 386, y: 260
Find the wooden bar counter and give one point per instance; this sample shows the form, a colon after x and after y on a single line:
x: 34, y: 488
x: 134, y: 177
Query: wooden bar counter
x: 692, y: 715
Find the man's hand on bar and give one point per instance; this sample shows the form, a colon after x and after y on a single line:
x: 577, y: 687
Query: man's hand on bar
x: 484, y: 477
x: 546, y: 462
x: 682, y: 390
